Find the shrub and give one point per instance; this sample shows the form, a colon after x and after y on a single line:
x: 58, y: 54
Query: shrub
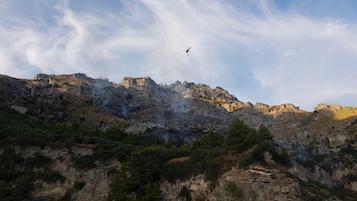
x: 152, y: 192
x: 38, y: 161
x: 85, y: 162
x: 78, y: 185
x: 233, y: 190
x: 9, y: 160
x: 179, y: 170
x: 213, y: 169
x: 314, y: 191
x: 240, y: 137
x: 23, y: 186
x: 50, y: 176
x: 121, y: 187
x: 209, y: 140
x: 281, y: 156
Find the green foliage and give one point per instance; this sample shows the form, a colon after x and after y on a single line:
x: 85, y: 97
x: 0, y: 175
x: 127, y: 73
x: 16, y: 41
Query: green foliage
x: 9, y: 160
x: 14, y: 184
x: 209, y: 140
x: 233, y: 190
x: 281, y: 156
x: 314, y: 191
x: 214, y: 169
x: 84, y: 162
x: 146, y: 165
x: 23, y: 185
x: 145, y: 159
x: 79, y: 185
x: 179, y: 170
x: 152, y: 192
x: 38, y: 161
x: 240, y: 137
x: 17, y: 174
x: 121, y: 187
x: 19, y: 189
x: 349, y: 151
x: 50, y: 176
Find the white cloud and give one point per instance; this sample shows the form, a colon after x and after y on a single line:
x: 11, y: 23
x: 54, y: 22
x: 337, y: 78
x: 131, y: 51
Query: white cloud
x: 295, y: 58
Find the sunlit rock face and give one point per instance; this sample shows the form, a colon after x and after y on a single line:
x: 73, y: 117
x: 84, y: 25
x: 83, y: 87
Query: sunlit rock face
x: 217, y: 95
x: 143, y: 83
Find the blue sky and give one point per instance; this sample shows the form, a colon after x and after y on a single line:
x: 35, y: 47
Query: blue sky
x: 302, y: 51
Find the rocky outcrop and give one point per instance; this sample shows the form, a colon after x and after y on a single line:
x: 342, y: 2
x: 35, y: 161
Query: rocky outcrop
x: 94, y: 182
x: 143, y: 83
x: 254, y: 183
x: 217, y: 95
x: 19, y: 109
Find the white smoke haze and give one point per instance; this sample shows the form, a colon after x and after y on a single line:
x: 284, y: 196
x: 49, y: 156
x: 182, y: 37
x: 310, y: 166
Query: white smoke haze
x: 281, y: 56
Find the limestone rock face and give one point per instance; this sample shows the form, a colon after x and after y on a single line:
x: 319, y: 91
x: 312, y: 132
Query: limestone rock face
x: 217, y: 95
x: 324, y: 106
x: 256, y: 183
x: 143, y: 83
x: 96, y: 182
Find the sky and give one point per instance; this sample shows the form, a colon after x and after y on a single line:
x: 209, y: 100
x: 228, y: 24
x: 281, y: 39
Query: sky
x: 271, y: 51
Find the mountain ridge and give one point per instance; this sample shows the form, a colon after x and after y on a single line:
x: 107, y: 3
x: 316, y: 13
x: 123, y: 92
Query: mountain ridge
x: 321, y: 144
x: 125, y: 82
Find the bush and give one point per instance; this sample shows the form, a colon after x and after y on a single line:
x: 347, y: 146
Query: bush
x: 314, y: 191
x: 152, y: 192
x: 209, y: 140
x: 233, y: 190
x: 121, y: 187
x: 9, y: 160
x: 38, y: 161
x: 78, y: 185
x: 85, y: 162
x: 214, y: 169
x: 281, y: 156
x: 23, y: 186
x: 50, y: 176
x: 179, y: 170
x: 240, y: 137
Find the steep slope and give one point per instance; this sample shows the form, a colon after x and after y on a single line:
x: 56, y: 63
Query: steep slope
x: 321, y: 145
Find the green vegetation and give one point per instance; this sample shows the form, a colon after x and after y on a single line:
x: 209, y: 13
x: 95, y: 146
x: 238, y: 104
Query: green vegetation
x: 233, y: 190
x: 79, y: 185
x: 313, y: 191
x: 38, y: 161
x: 240, y: 137
x: 18, y: 174
x: 49, y: 176
x: 349, y: 151
x: 84, y: 162
x: 148, y: 165
x: 145, y: 161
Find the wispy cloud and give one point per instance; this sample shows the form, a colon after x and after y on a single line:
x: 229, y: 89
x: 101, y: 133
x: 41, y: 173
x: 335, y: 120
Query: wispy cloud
x: 256, y: 51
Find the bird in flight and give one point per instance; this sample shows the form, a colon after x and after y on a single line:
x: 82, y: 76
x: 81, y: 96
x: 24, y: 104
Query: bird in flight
x: 188, y: 50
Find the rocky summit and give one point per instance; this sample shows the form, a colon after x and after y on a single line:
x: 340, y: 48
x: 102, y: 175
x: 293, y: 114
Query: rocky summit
x: 72, y: 137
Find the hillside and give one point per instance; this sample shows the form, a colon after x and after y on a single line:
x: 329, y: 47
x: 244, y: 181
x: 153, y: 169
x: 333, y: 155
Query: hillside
x: 72, y: 137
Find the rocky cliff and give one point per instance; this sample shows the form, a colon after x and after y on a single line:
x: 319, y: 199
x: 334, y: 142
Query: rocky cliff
x: 321, y: 145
